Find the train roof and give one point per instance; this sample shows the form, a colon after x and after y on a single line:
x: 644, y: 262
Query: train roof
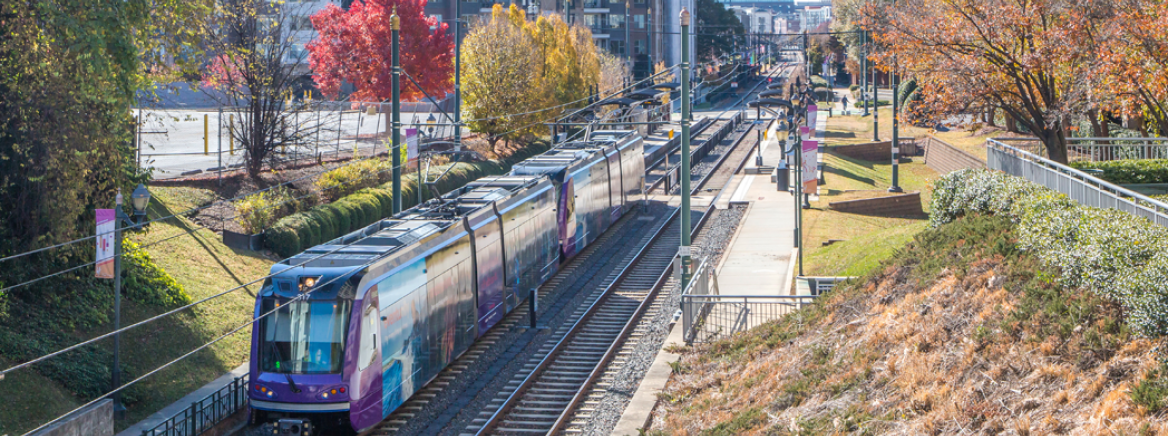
x: 360, y: 247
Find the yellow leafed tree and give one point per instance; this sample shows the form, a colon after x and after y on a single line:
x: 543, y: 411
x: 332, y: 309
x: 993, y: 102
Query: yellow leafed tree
x: 545, y: 63
x: 501, y: 78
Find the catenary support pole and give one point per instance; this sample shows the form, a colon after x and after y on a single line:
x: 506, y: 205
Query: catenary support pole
x: 683, y: 174
x: 458, y: 77
x: 395, y: 26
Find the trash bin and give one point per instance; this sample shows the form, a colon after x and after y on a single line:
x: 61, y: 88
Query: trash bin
x: 782, y: 177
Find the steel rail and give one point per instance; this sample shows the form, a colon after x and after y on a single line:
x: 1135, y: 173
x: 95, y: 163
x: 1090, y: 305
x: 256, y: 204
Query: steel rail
x: 530, y: 380
x: 631, y: 325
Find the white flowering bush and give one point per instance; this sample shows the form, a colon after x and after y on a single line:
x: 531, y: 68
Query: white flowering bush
x: 1118, y: 255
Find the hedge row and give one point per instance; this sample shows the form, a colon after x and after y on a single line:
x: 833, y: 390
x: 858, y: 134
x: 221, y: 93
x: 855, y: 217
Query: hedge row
x: 1133, y: 171
x: 1117, y: 255
x: 297, y: 232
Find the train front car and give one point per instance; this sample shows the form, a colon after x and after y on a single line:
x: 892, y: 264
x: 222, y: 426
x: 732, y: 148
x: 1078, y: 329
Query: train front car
x: 359, y: 324
x: 299, y: 348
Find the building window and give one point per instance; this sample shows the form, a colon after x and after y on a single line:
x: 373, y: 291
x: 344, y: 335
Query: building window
x: 639, y: 20
x: 594, y: 21
x: 299, y: 23
x: 437, y: 21
x: 639, y: 46
x: 616, y: 47
x: 616, y: 21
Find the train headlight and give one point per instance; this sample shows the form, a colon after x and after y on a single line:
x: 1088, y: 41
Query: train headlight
x: 306, y: 283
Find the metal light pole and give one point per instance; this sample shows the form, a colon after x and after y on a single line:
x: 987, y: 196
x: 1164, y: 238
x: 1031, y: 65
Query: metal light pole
x: 395, y: 23
x: 628, y: 35
x: 895, y: 133
x: 116, y: 380
x: 683, y: 173
x: 864, y: 69
x: 875, y: 107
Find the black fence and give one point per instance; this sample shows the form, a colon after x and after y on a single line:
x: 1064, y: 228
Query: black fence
x: 205, y: 413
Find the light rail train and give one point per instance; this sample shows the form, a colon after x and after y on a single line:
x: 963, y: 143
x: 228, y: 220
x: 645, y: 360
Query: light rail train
x: 392, y: 304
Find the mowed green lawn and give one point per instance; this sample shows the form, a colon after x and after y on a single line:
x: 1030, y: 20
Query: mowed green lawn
x: 866, y: 239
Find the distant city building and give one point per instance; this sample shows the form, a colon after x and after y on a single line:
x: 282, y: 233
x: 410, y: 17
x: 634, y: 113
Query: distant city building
x: 815, y: 18
x: 755, y: 20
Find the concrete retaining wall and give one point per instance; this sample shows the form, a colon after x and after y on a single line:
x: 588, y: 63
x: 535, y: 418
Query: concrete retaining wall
x: 876, y: 151
x: 945, y: 158
x: 903, y: 205
x: 95, y: 420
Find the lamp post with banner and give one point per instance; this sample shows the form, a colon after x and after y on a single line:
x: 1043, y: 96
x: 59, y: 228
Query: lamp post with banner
x: 110, y: 223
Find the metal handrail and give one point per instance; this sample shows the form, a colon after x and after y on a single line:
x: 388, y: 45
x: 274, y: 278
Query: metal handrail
x: 1158, y: 207
x: 204, y: 414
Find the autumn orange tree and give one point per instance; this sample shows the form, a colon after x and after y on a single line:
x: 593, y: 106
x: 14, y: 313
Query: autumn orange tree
x: 1030, y: 58
x: 1131, y: 73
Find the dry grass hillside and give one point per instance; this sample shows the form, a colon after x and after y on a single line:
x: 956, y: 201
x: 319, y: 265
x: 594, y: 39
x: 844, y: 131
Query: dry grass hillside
x: 958, y: 333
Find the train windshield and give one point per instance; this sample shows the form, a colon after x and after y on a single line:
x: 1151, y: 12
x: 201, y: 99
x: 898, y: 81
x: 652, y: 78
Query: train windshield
x: 303, y: 337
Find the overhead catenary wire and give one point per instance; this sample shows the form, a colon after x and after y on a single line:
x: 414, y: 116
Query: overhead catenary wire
x: 184, y: 356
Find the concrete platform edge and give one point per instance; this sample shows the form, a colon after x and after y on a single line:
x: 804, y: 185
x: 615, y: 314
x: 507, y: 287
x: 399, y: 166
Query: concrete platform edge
x: 639, y: 411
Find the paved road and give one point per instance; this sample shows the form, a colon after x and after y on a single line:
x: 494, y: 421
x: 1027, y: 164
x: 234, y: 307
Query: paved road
x: 173, y: 139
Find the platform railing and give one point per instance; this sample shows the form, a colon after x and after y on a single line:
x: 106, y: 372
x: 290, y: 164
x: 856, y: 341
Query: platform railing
x: 1099, y: 149
x: 205, y: 413
x: 1084, y: 188
x: 711, y: 318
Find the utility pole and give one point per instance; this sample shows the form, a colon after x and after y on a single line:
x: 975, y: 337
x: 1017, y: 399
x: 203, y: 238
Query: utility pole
x: 395, y: 26
x: 683, y: 173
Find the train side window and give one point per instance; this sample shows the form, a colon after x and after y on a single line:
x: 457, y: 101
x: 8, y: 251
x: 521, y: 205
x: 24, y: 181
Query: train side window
x: 365, y: 354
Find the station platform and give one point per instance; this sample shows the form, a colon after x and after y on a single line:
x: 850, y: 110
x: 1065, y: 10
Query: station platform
x: 758, y: 261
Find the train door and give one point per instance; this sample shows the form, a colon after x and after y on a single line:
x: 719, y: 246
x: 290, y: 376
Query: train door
x: 489, y: 266
x: 615, y: 184
x: 365, y: 404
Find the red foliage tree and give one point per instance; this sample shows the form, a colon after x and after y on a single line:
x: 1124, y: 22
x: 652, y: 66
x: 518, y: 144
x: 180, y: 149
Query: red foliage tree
x: 355, y: 46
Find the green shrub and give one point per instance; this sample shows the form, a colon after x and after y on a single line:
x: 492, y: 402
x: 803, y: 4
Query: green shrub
x: 1128, y: 172
x: 853, y: 88
x: 1119, y: 256
x: 344, y: 217
x: 327, y: 218
x: 353, y: 177
x: 258, y: 211
x: 282, y: 239
x: 146, y: 282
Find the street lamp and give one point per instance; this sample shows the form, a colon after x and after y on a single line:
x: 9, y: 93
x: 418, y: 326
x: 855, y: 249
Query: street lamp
x: 430, y: 120
x: 140, y: 198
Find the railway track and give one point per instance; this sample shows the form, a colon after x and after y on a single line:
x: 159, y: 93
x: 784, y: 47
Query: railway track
x: 558, y: 394
x: 586, y: 310
x: 488, y: 356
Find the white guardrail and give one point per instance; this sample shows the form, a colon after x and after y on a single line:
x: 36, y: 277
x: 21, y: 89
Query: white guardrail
x: 1099, y: 149
x: 1084, y: 188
